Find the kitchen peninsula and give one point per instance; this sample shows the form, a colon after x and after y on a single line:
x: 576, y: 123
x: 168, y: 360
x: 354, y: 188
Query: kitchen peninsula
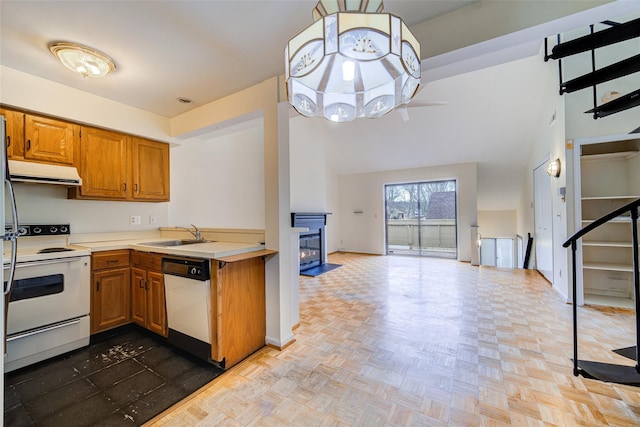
x: 128, y: 286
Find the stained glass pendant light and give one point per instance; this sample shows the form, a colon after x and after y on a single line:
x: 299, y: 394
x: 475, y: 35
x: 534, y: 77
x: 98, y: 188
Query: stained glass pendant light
x: 353, y: 61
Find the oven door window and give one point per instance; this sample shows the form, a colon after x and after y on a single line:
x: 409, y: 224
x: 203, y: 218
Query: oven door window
x: 35, y: 287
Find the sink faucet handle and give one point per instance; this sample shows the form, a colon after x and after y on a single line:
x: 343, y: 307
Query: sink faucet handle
x: 197, y: 233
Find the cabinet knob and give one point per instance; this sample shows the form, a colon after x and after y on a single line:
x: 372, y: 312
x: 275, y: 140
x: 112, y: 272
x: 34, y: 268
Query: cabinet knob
x: 141, y: 284
x: 125, y: 187
x: 8, y: 140
x: 28, y: 144
x: 97, y: 286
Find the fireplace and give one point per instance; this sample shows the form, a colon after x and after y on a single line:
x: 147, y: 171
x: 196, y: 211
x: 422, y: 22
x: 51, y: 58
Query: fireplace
x: 312, y: 242
x: 310, y: 255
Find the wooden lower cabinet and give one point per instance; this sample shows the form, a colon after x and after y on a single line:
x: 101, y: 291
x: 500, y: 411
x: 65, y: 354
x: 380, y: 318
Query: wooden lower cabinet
x: 110, y: 295
x: 238, y: 309
x: 148, y: 306
x: 129, y: 286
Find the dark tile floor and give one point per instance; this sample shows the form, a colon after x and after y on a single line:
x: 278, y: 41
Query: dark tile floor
x: 124, y: 377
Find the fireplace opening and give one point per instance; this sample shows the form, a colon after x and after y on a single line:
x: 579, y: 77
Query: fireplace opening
x: 310, y: 251
x: 312, y: 242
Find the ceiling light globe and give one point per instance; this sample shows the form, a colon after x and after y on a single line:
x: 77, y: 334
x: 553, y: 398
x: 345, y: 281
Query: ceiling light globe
x: 351, y: 63
x: 82, y: 59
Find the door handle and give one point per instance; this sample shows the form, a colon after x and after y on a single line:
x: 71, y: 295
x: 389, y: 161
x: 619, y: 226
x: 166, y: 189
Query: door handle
x: 44, y: 329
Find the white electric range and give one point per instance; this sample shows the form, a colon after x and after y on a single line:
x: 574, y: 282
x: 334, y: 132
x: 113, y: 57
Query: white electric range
x: 49, y: 300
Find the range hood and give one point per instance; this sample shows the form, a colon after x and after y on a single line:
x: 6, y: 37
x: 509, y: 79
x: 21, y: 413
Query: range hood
x: 43, y: 173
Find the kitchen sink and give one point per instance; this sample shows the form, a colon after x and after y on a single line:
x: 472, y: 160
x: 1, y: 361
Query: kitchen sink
x: 181, y: 242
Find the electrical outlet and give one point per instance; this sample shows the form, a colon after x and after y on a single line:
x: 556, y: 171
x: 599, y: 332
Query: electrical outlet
x: 152, y: 219
x: 135, y: 220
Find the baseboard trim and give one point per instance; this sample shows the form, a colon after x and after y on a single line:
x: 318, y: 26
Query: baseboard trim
x: 282, y: 347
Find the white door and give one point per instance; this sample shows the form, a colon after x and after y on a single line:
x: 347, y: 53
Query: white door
x: 496, y: 252
x: 543, y: 218
x: 488, y: 252
x: 504, y: 253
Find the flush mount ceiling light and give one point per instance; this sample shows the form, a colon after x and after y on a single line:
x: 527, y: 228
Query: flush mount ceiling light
x: 353, y: 61
x: 553, y: 169
x: 82, y: 59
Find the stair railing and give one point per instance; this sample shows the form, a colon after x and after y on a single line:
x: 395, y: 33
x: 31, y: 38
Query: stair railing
x: 632, y: 208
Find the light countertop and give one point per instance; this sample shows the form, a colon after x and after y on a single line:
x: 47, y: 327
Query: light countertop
x: 211, y: 250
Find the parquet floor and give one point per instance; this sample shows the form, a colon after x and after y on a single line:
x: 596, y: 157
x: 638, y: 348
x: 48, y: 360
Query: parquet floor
x: 401, y: 341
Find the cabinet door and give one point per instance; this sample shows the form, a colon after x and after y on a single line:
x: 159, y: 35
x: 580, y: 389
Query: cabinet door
x: 110, y: 303
x: 156, y: 309
x: 50, y: 140
x: 104, y: 164
x: 138, y: 296
x: 15, y: 133
x: 150, y: 170
x: 241, y: 310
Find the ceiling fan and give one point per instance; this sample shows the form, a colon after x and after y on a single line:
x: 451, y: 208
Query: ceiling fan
x: 403, y: 110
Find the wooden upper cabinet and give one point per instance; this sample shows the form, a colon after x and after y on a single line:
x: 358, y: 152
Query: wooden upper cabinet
x: 150, y: 167
x: 104, y: 164
x: 115, y: 166
x: 49, y: 140
x: 15, y: 133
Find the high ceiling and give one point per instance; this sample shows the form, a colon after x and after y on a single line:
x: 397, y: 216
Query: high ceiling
x: 201, y: 50
x: 205, y: 50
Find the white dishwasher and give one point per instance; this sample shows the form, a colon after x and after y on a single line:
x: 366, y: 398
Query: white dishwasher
x: 187, y: 288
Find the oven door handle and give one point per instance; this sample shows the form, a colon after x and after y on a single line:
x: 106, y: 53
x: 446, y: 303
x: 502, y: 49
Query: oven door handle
x: 42, y: 330
x: 45, y: 262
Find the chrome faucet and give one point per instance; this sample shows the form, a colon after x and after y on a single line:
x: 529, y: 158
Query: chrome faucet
x: 196, y: 234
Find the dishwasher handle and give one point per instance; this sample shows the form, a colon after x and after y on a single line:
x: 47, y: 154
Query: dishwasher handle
x: 190, y: 268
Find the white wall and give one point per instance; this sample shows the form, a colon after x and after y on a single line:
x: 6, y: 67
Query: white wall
x: 41, y: 203
x: 220, y: 182
x: 37, y: 94
x: 333, y: 205
x: 549, y: 142
x: 314, y: 185
x: 308, y: 165
x: 497, y: 224
x: 364, y: 232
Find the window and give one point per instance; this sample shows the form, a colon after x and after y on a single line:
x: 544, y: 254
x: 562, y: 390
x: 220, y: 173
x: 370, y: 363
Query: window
x: 421, y: 219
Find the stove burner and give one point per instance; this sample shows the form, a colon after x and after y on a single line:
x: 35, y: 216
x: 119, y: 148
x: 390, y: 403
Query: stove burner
x: 50, y: 250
